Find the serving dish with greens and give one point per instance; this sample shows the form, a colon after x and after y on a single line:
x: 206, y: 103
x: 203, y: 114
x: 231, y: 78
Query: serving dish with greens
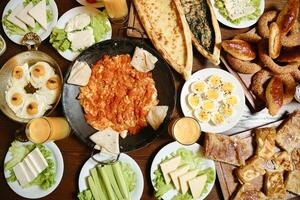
x: 21, y: 17
x: 181, y: 172
x: 119, y: 180
x: 78, y: 29
x: 33, y: 170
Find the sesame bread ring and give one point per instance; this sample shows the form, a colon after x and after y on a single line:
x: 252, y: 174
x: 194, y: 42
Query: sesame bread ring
x: 289, y: 87
x: 263, y: 23
x: 258, y: 83
x: 244, y: 67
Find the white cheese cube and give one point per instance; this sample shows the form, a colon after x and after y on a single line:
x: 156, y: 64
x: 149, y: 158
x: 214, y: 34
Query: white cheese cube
x: 20, y: 173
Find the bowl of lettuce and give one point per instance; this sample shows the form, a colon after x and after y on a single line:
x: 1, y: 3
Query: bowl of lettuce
x: 190, y: 155
x: 46, y: 181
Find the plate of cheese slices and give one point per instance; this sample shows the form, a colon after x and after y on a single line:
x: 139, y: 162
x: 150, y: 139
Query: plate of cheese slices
x: 181, y: 172
x: 21, y: 17
x: 33, y: 170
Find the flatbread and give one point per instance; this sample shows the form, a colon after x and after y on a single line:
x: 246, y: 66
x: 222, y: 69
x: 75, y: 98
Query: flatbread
x: 156, y: 116
x: 168, y: 30
x: 142, y: 60
x: 80, y: 74
x: 107, y: 139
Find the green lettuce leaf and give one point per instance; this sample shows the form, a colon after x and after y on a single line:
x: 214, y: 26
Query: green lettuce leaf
x: 129, y: 176
x: 100, y: 28
x: 85, y: 195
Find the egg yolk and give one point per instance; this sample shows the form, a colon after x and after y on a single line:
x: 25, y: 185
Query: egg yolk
x: 232, y: 100
x: 208, y: 105
x: 226, y: 110
x: 212, y: 94
x: 214, y: 81
x: 194, y: 100
x: 218, y: 118
x: 18, y: 72
x: 203, y: 116
x: 227, y: 87
x: 199, y: 86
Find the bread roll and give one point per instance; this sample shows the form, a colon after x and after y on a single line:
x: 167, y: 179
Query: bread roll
x: 290, y: 55
x: 288, y: 16
x: 274, y: 41
x: 274, y: 95
x: 239, y: 49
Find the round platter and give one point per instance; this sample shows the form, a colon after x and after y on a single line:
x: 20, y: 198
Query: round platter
x: 90, y: 163
x: 167, y: 151
x: 63, y: 20
x: 239, y: 108
x: 42, y: 33
x: 243, y: 23
x: 164, y: 84
x: 35, y: 192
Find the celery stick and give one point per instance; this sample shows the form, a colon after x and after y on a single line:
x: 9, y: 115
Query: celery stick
x: 101, y: 182
x: 97, y: 183
x: 107, y: 184
x: 109, y: 171
x: 93, y: 188
x: 120, y: 179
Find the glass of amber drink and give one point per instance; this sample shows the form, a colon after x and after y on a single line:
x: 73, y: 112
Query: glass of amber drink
x: 44, y: 129
x: 185, y: 130
x: 117, y: 10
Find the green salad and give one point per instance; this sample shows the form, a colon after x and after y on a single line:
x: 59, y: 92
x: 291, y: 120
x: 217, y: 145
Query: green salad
x: 15, y: 30
x: 109, y: 182
x: 188, y: 157
x: 223, y: 11
x: 45, y: 179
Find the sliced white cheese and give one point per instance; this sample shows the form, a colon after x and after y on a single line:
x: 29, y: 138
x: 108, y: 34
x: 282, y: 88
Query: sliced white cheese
x: 107, y: 139
x: 197, y: 185
x: 39, y: 13
x: 80, y: 74
x: 81, y: 40
x: 78, y: 22
x: 32, y: 169
x: 31, y: 174
x: 20, y: 173
x: 178, y: 172
x: 38, y: 159
x: 169, y: 166
x: 24, y: 17
x: 142, y: 60
x: 238, y: 8
x: 183, y: 180
x: 13, y: 19
x: 156, y: 116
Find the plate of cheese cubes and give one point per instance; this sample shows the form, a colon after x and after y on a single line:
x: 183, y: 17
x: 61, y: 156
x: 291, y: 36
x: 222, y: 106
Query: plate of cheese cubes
x: 181, y: 172
x: 23, y: 16
x: 33, y: 170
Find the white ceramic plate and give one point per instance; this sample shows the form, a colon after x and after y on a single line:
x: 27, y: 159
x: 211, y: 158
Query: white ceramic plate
x: 95, y: 5
x: 12, y: 4
x: 239, y: 108
x: 35, y: 192
x: 168, y: 150
x: 63, y: 20
x: 90, y: 163
x: 243, y: 23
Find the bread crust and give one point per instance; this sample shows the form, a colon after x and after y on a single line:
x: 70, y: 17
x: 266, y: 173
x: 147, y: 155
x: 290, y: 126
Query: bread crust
x: 274, y: 95
x: 274, y: 41
x: 290, y: 55
x: 288, y: 16
x: 239, y: 49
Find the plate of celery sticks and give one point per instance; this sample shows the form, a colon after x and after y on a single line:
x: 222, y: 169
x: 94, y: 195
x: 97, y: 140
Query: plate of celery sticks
x: 120, y: 180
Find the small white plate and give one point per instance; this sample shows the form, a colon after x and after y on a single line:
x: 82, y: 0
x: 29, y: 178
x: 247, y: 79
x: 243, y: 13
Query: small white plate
x: 35, y: 192
x: 90, y: 163
x: 243, y: 23
x: 95, y: 5
x: 12, y: 4
x: 63, y: 20
x: 201, y: 75
x: 168, y: 150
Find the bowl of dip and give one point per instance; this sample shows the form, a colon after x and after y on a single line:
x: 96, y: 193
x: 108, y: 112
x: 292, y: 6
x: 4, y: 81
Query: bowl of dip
x: 185, y: 130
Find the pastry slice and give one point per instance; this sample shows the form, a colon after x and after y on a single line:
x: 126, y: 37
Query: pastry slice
x: 296, y: 158
x: 224, y: 149
x: 274, y: 185
x: 292, y: 182
x: 288, y: 135
x: 283, y: 161
x: 253, y: 169
x: 265, y: 140
x: 248, y: 191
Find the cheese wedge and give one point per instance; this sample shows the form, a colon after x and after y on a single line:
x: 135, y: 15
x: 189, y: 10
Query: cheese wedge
x: 80, y: 74
x: 24, y: 17
x: 197, y: 185
x: 169, y: 166
x: 39, y: 13
x: 107, y: 139
x: 183, y: 180
x: 156, y: 116
x: 178, y: 172
x: 12, y: 18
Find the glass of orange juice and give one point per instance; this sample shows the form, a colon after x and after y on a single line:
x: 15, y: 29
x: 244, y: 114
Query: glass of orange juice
x: 185, y: 130
x: 117, y: 10
x: 40, y: 130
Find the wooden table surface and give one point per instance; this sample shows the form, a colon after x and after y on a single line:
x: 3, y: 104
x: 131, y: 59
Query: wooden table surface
x: 75, y: 153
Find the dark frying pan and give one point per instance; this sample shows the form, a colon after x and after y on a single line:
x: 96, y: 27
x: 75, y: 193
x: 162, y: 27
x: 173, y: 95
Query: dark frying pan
x: 164, y: 84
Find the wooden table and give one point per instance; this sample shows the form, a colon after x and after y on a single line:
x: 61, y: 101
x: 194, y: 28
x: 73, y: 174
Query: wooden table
x: 75, y: 153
